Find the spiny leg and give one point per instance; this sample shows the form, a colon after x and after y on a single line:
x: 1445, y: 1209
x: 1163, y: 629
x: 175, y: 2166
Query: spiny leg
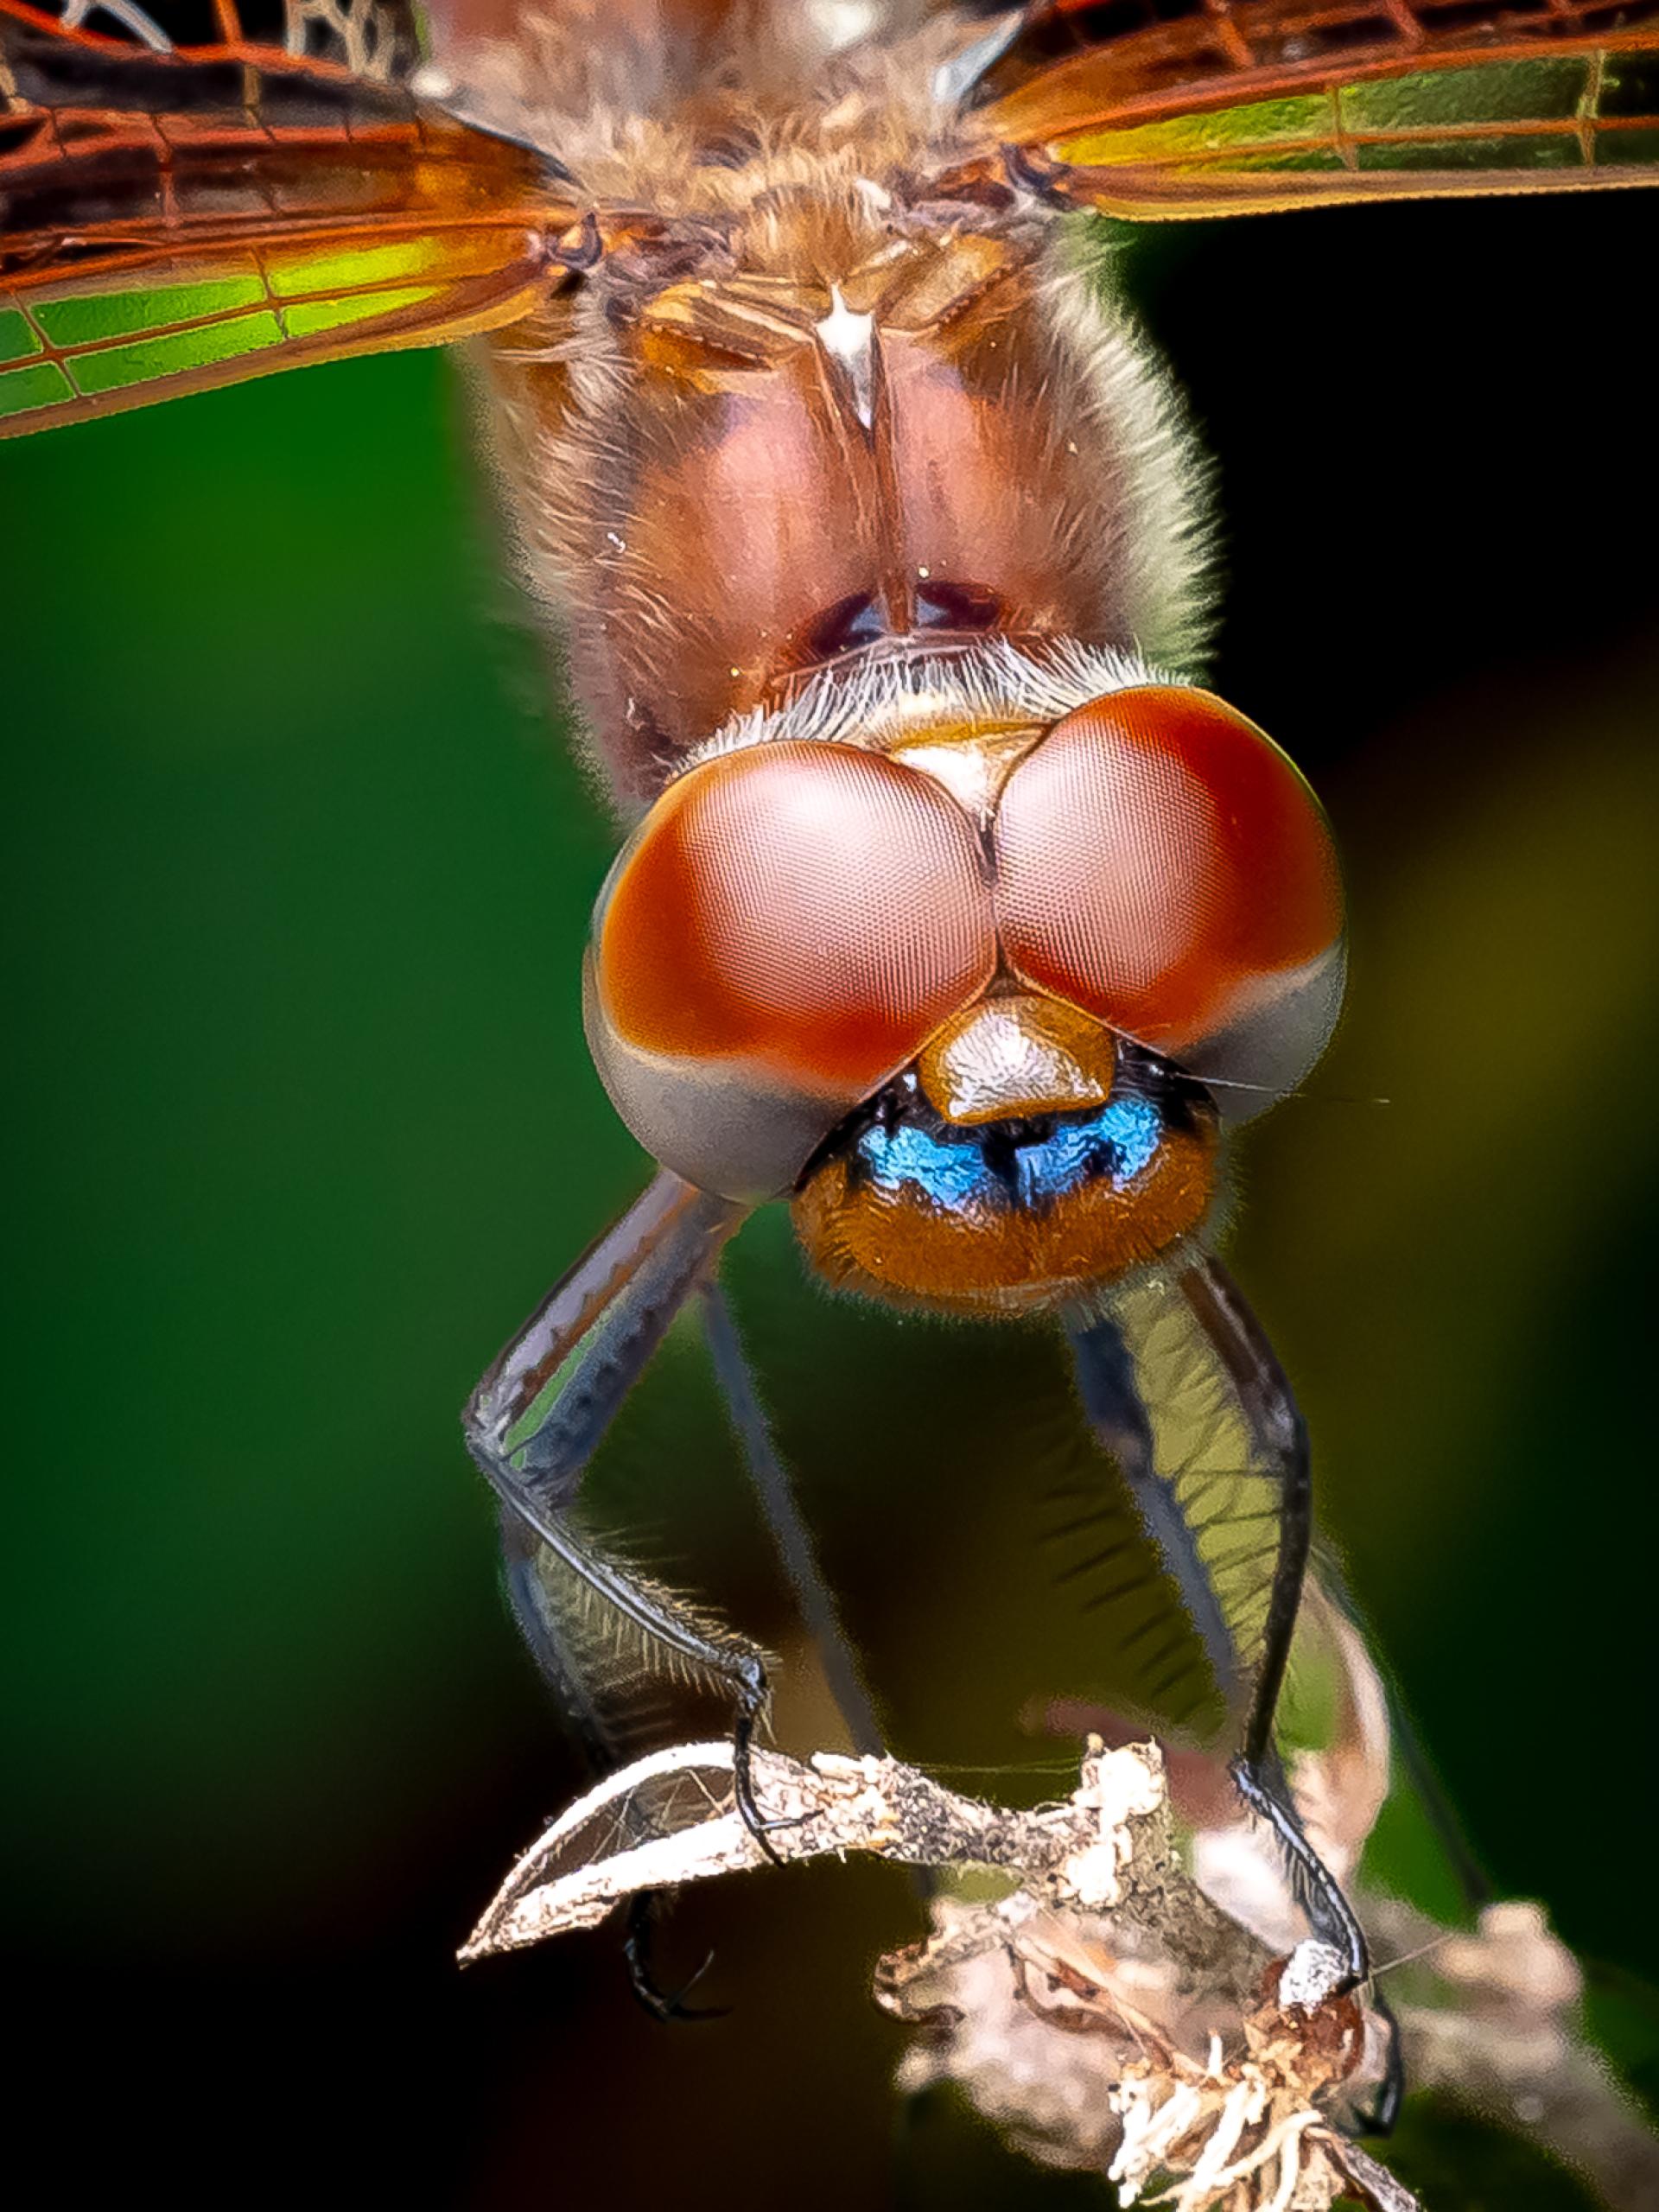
x: 548, y: 1633
x: 1265, y: 1397
x: 1106, y: 1380
x: 787, y: 1525
x: 533, y: 1425
x: 1250, y: 1681
x: 1280, y: 1435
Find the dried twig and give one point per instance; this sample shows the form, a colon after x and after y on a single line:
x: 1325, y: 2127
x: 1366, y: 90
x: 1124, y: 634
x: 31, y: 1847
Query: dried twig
x: 1070, y: 2008
x: 1113, y: 2010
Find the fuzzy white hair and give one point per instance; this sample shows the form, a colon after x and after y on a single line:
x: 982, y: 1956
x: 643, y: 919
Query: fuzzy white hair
x: 1163, y: 526
x: 878, y: 701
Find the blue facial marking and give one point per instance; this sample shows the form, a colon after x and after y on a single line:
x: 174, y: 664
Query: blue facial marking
x: 950, y: 1174
x: 1116, y: 1142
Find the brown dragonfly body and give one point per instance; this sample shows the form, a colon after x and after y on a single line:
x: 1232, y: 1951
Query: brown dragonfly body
x: 952, y: 912
x: 817, y: 404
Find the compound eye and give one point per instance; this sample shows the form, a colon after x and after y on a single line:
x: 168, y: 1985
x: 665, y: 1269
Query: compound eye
x: 783, y: 933
x: 1161, y: 864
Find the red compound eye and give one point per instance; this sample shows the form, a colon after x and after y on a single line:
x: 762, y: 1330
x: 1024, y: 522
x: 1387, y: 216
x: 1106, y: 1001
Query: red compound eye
x: 786, y: 928
x: 1162, y: 865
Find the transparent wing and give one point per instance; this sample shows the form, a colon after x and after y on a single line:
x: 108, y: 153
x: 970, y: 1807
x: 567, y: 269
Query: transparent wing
x: 1155, y: 109
x: 177, y: 214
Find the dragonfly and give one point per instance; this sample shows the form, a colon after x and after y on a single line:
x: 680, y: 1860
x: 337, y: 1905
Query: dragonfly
x: 952, y: 912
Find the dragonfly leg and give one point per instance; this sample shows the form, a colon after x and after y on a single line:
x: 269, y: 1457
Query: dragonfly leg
x: 790, y: 1536
x: 1258, y: 1772
x: 1378, y: 2118
x: 1107, y: 1384
x: 638, y: 1946
x: 1280, y: 1436
x: 1262, y: 1786
x: 1249, y: 1681
x: 537, y: 1418
x: 602, y: 1749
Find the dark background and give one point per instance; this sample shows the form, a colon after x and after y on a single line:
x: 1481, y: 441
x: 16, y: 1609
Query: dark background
x: 300, y: 1121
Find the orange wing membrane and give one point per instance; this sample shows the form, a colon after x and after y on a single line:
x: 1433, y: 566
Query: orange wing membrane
x: 1154, y: 109
x: 183, y: 204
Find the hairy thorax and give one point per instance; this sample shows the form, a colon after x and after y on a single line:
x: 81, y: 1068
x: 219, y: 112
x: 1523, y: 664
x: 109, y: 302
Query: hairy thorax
x: 807, y: 415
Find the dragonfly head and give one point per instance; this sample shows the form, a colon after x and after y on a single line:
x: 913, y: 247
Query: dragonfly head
x: 978, y: 999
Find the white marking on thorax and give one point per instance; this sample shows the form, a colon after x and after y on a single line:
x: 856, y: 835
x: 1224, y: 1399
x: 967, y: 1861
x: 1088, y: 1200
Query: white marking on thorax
x: 849, y: 341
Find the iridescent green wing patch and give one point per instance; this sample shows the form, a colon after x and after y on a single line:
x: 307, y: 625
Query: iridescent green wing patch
x: 75, y: 345
x: 175, y: 216
x: 1228, y: 106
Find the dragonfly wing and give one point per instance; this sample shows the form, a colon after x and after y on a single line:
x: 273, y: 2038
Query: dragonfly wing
x: 1155, y: 109
x: 175, y: 216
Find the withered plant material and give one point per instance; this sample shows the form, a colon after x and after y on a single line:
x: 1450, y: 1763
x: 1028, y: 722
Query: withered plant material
x: 1113, y: 2012
x: 1103, y: 2009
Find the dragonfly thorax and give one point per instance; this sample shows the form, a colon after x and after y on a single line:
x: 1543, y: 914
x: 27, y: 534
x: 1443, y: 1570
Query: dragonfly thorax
x: 829, y: 421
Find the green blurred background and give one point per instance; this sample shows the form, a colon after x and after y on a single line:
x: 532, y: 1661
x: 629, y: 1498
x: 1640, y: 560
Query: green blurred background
x: 300, y: 1121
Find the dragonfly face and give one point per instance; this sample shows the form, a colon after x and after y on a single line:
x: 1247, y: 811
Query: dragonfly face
x: 945, y: 988
x: 951, y: 908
